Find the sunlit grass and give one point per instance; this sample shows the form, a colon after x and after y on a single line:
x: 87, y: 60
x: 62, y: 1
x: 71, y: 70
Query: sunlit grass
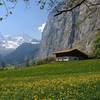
x: 59, y: 81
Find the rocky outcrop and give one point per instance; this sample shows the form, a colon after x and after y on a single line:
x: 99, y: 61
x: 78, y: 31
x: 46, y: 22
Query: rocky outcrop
x: 74, y: 29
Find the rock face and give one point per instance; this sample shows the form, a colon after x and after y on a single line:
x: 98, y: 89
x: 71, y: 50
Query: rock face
x: 76, y: 29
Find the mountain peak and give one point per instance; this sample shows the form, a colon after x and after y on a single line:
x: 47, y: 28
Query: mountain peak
x: 12, y: 42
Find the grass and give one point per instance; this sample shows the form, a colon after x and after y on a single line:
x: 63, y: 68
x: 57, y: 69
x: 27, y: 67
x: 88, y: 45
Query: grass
x: 74, y: 80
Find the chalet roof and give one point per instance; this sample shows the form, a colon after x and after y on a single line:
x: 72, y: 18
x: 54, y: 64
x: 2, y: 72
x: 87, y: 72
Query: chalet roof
x: 73, y: 51
x: 66, y: 50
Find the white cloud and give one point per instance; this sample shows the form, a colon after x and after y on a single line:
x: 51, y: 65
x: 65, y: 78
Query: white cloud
x: 41, y: 28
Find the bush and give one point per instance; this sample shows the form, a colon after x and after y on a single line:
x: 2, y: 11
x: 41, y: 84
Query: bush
x: 51, y: 59
x: 96, y: 45
x: 45, y: 61
x: 41, y: 61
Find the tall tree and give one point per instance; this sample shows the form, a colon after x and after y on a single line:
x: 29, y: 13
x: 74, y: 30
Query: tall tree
x: 3, y: 64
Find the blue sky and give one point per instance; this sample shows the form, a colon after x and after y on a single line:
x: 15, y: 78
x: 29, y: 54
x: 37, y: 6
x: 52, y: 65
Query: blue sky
x: 25, y: 20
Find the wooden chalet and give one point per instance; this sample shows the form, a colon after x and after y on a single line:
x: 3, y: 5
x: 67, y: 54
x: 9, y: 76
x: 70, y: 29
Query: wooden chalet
x: 70, y: 54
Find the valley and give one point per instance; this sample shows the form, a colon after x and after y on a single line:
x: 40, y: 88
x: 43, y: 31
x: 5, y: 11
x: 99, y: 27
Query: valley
x: 49, y: 49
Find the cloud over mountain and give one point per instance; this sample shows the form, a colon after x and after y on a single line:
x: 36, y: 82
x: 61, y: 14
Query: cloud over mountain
x: 41, y: 28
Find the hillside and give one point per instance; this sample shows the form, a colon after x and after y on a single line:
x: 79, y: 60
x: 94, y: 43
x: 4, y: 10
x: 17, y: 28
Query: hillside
x: 66, y: 80
x: 22, y: 53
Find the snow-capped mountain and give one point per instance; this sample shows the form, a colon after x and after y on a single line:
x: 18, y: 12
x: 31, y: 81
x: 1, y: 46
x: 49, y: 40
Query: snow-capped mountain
x: 9, y: 43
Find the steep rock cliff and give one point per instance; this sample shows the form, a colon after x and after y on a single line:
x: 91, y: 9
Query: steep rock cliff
x: 76, y: 29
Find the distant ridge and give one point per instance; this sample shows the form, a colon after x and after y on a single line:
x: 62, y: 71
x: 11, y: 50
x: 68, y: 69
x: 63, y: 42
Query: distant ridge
x: 23, y: 52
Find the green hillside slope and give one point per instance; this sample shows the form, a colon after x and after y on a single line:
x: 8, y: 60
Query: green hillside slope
x: 72, y: 80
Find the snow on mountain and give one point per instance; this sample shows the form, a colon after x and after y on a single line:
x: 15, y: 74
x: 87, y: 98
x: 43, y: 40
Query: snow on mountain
x: 8, y: 42
x: 34, y: 41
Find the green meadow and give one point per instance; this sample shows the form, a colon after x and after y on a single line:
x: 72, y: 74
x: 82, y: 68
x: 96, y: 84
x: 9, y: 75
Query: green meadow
x: 73, y: 80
